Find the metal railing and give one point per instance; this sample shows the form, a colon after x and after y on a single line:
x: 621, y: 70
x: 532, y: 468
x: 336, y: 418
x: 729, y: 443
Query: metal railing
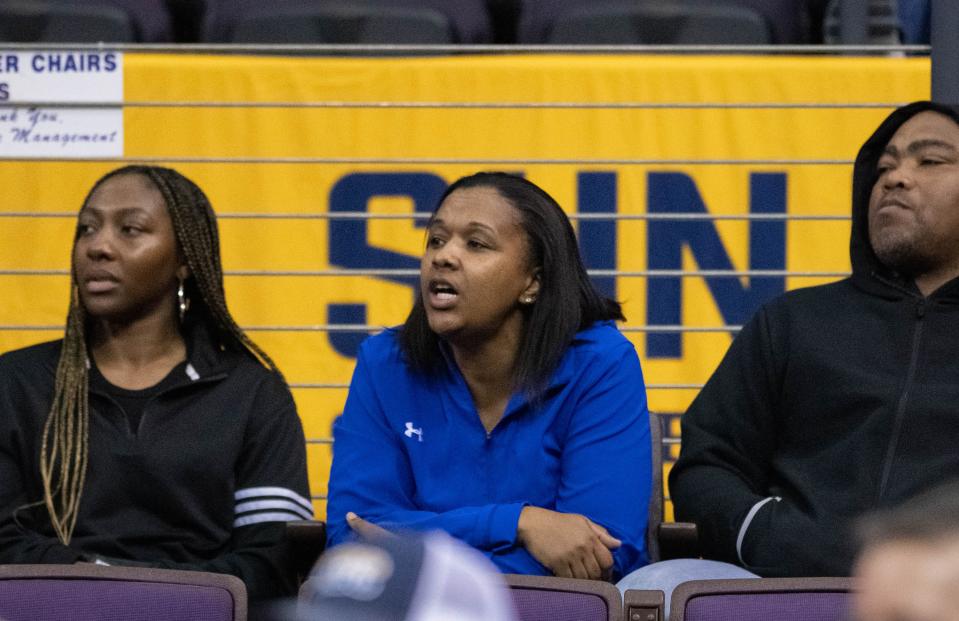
x: 263, y: 212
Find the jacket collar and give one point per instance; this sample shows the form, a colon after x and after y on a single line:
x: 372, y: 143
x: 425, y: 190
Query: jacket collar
x: 207, y: 360
x: 206, y: 354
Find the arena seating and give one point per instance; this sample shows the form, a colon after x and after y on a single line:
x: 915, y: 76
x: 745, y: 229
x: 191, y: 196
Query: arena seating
x: 782, y: 599
x: 435, y: 21
x: 882, y: 23
x: 623, y: 23
x: 347, y: 25
x: 665, y: 540
x: 85, y: 592
x: 541, y: 598
x: 80, y: 21
x: 675, y: 22
x: 643, y: 605
x: 307, y: 540
x: 378, y: 21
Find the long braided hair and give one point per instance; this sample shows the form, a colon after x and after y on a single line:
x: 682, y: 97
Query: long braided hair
x: 65, y: 442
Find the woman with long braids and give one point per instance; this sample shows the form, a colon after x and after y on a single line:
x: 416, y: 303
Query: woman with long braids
x: 155, y: 432
x: 508, y: 410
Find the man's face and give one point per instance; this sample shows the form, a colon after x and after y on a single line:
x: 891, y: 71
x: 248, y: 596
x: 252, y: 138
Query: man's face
x: 914, y: 205
x: 909, y: 581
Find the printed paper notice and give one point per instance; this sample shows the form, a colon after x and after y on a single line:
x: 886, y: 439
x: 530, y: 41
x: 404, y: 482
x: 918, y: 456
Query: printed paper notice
x: 60, y: 77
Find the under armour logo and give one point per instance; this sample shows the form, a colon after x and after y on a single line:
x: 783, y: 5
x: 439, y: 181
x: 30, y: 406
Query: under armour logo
x: 410, y: 432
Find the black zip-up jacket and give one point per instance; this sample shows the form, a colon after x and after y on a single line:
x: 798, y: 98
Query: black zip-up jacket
x: 206, y: 482
x: 832, y: 401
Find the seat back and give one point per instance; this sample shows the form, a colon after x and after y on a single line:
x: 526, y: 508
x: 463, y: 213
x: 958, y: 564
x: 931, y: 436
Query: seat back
x: 152, y: 19
x: 882, y: 23
x: 85, y: 592
x: 656, y: 514
x: 622, y: 22
x: 546, y: 598
x: 345, y: 24
x: 85, y: 21
x: 782, y: 599
x: 307, y: 540
x: 790, y: 22
x: 660, y: 23
x: 37, y: 21
x: 665, y: 540
x: 347, y: 21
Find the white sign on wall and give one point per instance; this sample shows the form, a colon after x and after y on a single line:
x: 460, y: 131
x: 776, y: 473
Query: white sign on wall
x: 60, y: 76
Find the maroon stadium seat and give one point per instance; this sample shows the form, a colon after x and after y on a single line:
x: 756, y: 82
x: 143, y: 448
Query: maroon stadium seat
x: 782, y: 599
x: 84, y: 592
x: 545, y: 598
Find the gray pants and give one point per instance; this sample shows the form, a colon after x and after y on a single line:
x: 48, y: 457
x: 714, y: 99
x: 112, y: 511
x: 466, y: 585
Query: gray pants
x: 667, y: 575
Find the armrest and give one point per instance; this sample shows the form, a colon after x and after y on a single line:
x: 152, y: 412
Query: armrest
x: 643, y: 605
x: 307, y: 539
x: 678, y: 540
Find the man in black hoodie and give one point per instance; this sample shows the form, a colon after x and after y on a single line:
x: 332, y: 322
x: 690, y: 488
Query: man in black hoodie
x: 840, y: 399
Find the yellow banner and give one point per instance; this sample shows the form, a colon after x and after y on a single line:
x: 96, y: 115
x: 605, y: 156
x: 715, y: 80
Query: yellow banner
x: 295, y: 160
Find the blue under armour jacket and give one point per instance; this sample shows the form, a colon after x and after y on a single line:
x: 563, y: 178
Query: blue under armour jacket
x: 411, y: 453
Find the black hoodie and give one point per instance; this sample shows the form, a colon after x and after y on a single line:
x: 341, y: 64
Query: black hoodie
x: 833, y: 401
x: 216, y: 465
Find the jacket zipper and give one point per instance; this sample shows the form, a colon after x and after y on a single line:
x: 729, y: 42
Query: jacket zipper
x: 903, y: 399
x: 134, y: 433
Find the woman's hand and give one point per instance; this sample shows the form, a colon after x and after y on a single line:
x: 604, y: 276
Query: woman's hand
x: 568, y: 544
x: 366, y: 530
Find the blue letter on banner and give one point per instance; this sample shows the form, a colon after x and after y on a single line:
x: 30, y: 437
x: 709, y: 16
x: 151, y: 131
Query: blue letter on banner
x: 671, y: 192
x: 597, y: 238
x: 348, y: 241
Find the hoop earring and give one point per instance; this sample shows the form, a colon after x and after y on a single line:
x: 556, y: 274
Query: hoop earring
x: 183, y: 302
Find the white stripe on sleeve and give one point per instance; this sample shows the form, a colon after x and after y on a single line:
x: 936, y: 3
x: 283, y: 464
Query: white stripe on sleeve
x: 273, y: 504
x: 746, y: 522
x: 259, y: 518
x: 263, y: 493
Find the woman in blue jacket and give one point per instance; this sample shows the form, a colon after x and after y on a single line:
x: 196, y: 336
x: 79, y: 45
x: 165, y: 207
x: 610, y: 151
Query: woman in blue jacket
x: 508, y: 410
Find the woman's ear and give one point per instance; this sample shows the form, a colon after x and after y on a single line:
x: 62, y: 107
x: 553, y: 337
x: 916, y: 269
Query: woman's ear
x: 183, y: 272
x: 532, y: 289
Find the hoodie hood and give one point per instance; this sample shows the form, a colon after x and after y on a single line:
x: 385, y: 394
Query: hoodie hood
x: 865, y: 263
